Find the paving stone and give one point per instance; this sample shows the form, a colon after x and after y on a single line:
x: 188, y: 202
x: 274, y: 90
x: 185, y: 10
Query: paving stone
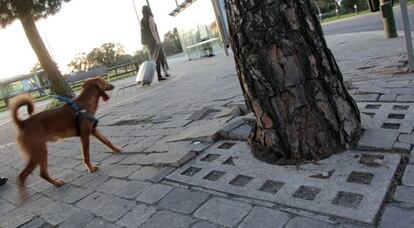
x: 388, y: 97
x: 406, y: 138
x: 357, y: 180
x: 36, y: 223
x: 112, y: 185
x: 58, y: 213
x: 168, y: 219
x: 154, y: 193
x: 5, y: 207
x: 231, y: 125
x: 16, y: 218
x: 397, y: 216
x: 205, y: 224
x: 408, y: 177
x: 173, y: 158
x: 151, y: 173
x: 183, y: 200
x: 137, y: 216
x: 143, y: 144
x: 68, y: 193
x: 94, y: 201
x: 403, y: 147
x: 115, y: 209
x: 37, y: 205
x: 132, y: 189
x: 387, y: 115
x: 208, y: 131
x: 121, y: 171
x: 134, y: 159
x: 200, y: 114
x: 223, y: 211
x: 378, y: 139
x: 264, y: 217
x: 114, y: 159
x: 90, y: 180
x: 298, y: 222
x: 160, y: 147
x: 405, y: 98
x: 404, y: 194
x: 99, y: 223
x: 365, y: 97
x: 241, y: 133
x: 78, y: 219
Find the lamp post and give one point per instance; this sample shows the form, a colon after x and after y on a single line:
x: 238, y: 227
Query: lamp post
x: 407, y: 32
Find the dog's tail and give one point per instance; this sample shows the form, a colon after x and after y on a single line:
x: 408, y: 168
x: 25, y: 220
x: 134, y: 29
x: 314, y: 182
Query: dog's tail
x: 16, y: 103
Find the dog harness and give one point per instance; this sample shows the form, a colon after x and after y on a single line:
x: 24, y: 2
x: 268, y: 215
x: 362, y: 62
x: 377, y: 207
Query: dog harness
x: 80, y: 113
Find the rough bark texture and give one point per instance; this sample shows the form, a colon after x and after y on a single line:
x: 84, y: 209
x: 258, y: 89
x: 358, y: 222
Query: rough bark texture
x: 291, y: 81
x: 58, y: 84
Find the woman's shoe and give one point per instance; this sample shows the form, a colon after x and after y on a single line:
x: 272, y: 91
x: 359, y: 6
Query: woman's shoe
x: 161, y: 79
x: 167, y: 75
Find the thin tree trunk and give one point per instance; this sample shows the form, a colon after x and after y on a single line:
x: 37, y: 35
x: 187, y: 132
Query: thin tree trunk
x: 58, y: 84
x: 291, y: 81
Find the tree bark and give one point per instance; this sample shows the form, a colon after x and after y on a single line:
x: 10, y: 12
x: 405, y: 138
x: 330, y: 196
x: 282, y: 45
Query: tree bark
x: 58, y: 83
x: 291, y: 81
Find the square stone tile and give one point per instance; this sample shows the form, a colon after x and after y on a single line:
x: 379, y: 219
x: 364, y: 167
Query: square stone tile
x: 265, y: 218
x: 183, y: 200
x: 383, y: 139
x: 223, y: 211
x: 404, y: 194
x: 168, y: 219
x: 297, y: 222
x: 114, y: 209
x: 154, y: 193
x: 58, y: 213
x: 132, y: 189
x: 137, y: 216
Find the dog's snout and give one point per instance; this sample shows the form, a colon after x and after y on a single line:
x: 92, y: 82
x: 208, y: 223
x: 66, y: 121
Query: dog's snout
x: 110, y: 87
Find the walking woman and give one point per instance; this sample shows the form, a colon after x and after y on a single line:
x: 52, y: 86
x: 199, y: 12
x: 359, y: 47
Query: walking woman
x: 151, y: 39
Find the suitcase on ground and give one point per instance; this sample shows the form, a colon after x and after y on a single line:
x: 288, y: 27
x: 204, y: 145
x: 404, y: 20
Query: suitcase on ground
x: 147, y: 70
x: 146, y: 73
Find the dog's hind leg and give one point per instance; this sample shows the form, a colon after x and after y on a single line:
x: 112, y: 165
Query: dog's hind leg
x: 44, y: 171
x: 21, y: 179
x: 105, y: 141
x: 85, y: 152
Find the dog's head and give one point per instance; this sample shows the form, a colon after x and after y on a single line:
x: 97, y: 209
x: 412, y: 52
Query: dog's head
x: 101, y: 85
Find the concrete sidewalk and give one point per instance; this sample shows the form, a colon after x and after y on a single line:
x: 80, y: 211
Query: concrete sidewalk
x: 186, y: 163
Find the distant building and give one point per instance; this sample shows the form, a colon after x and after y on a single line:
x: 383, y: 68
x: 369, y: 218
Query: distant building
x: 202, y: 27
x: 23, y: 84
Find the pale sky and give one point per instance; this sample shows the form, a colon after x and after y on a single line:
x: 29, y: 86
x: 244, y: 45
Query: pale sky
x: 80, y: 26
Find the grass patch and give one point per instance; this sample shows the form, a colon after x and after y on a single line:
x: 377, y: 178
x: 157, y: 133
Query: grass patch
x: 344, y: 16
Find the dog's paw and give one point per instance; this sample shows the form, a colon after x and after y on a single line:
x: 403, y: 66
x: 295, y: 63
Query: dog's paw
x: 117, y: 150
x: 58, y: 183
x: 93, y: 169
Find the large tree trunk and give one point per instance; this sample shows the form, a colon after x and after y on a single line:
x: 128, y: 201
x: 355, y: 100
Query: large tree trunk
x: 291, y: 81
x: 58, y: 84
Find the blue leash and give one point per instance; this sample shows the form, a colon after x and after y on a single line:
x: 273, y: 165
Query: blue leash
x: 80, y: 113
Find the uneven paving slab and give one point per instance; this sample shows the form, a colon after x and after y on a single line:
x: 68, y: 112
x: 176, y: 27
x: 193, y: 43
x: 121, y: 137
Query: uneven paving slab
x: 351, y: 185
x: 390, y: 116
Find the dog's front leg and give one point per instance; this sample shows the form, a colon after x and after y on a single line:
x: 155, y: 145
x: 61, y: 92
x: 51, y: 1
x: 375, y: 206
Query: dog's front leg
x: 105, y: 141
x: 86, y: 157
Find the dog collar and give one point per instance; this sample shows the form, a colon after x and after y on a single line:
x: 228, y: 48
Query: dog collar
x: 80, y: 113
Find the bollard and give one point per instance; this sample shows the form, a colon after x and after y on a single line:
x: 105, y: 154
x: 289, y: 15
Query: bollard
x: 356, y: 9
x: 388, y: 19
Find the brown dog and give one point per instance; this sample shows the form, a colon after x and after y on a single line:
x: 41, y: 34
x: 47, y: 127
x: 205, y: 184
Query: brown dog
x: 55, y: 124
